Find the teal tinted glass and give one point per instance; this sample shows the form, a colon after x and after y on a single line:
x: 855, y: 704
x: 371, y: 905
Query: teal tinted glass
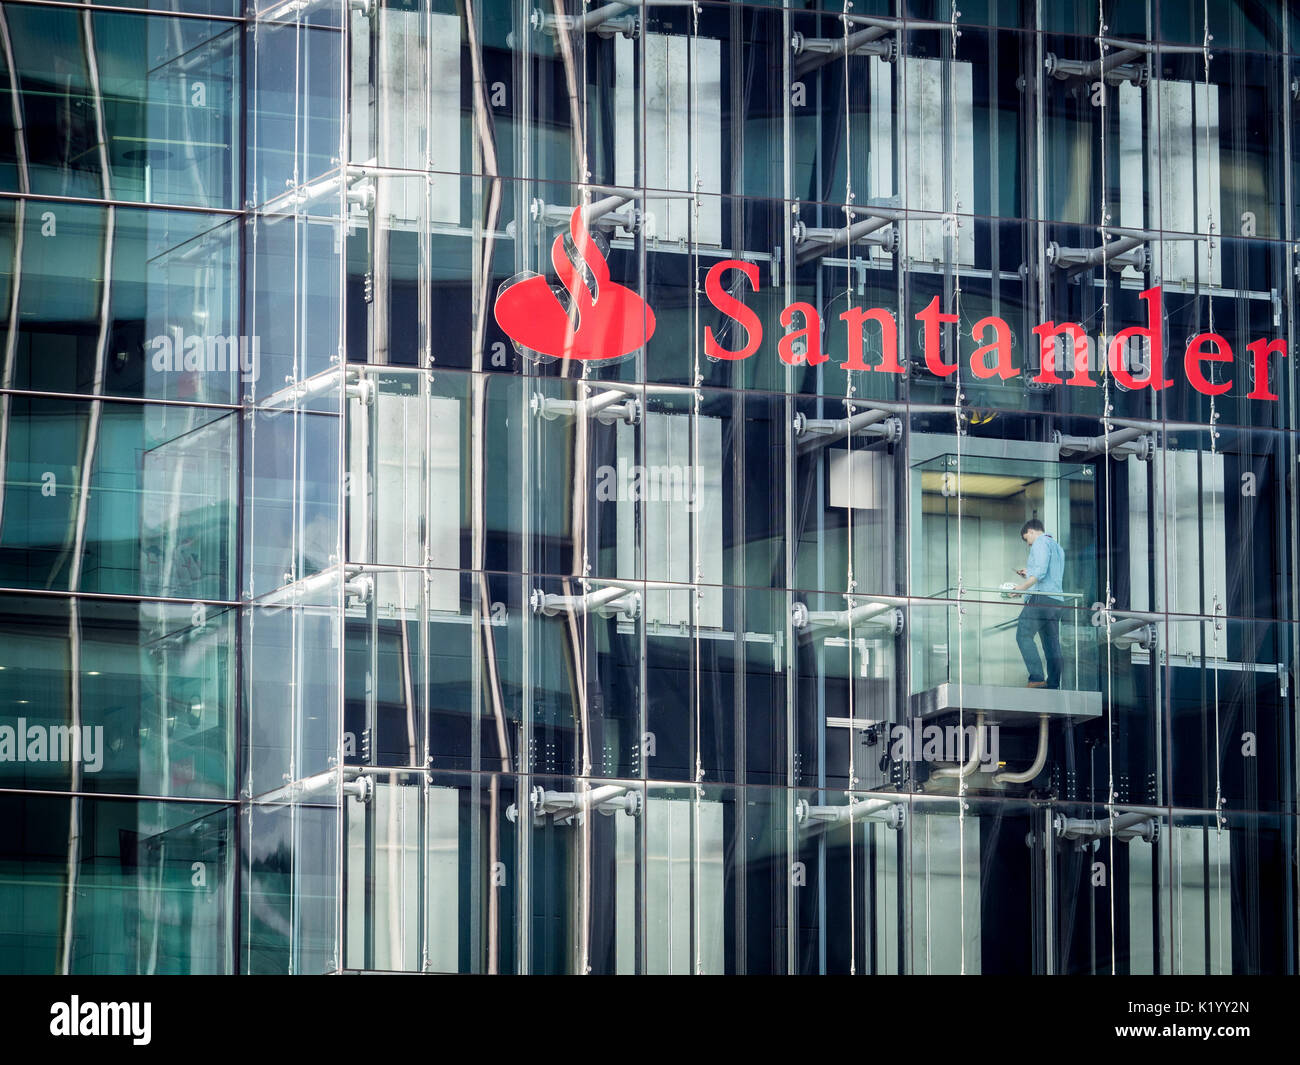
x: 123, y: 697
x: 123, y: 498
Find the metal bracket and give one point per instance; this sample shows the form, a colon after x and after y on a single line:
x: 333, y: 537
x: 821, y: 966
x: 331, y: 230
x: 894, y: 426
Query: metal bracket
x: 1119, y: 443
x: 873, y: 421
x: 356, y: 385
x: 610, y: 213
x: 294, y: 8
x: 1125, y: 629
x: 1128, y: 249
x: 606, y: 407
x: 892, y: 814
x: 877, y: 228
x: 874, y: 613
x: 817, y: 52
x: 570, y: 807
x: 361, y: 588
x: 1118, y: 66
x: 1126, y: 826
x: 604, y: 602
x: 361, y: 788
x: 607, y: 21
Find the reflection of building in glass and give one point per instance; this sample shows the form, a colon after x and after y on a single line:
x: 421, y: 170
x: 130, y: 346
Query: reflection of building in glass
x: 417, y: 647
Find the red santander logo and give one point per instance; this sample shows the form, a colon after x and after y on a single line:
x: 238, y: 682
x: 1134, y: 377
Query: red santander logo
x: 590, y: 318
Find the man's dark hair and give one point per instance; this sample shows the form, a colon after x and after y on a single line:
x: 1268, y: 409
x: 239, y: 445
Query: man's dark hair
x: 1032, y: 523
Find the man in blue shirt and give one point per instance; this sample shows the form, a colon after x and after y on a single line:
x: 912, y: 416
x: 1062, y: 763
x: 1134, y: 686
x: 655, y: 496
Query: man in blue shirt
x: 1041, y: 615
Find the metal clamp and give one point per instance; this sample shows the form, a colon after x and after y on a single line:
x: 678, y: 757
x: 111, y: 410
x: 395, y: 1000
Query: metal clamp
x: 604, y: 602
x: 606, y: 407
x: 570, y: 807
x: 891, y: 813
x: 872, y: 421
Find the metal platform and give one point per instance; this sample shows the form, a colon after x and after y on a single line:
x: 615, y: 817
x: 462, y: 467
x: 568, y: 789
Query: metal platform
x: 1001, y: 703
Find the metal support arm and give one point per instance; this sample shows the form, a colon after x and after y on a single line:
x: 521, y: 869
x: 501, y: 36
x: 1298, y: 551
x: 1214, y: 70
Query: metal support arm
x: 1128, y: 249
x: 1129, y: 628
x: 816, y: 52
x: 893, y: 814
x: 876, y: 228
x: 606, y: 602
x: 605, y: 21
x: 609, y: 212
x: 836, y: 620
x: 813, y: 433
x: 570, y: 807
x: 1120, y: 443
x: 1124, y: 826
x: 1116, y: 66
x: 606, y: 407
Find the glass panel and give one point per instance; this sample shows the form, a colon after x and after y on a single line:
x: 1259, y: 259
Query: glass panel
x: 121, y: 697
x: 121, y: 498
x: 725, y: 487
x: 115, y: 887
x: 165, y: 327
x: 123, y: 107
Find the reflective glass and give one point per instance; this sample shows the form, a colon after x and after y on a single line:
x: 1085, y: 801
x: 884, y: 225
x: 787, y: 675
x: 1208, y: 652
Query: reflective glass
x: 657, y: 488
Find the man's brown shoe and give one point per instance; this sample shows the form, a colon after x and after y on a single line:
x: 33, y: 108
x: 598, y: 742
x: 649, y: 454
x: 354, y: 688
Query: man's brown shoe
x: 1037, y: 684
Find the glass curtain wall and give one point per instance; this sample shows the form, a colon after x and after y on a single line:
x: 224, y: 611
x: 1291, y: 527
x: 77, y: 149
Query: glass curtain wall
x: 701, y: 657
x: 439, y: 646
x: 123, y: 352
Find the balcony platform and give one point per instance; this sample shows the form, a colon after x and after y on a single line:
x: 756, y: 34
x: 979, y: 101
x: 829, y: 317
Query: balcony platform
x: 1003, y: 703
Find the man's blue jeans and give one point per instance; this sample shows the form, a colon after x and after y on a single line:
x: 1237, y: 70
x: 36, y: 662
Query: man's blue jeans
x: 1041, y: 618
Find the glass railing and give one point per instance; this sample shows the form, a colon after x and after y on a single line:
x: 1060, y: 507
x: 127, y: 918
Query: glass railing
x: 985, y: 640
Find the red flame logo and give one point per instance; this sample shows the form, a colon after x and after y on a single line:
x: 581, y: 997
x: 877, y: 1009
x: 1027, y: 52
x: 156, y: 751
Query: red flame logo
x: 602, y: 320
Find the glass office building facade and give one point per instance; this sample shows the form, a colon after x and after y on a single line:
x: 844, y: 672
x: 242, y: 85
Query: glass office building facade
x: 347, y: 623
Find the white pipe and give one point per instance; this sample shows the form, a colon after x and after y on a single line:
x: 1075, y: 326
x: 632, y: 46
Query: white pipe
x: 976, y: 757
x: 1040, y: 760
